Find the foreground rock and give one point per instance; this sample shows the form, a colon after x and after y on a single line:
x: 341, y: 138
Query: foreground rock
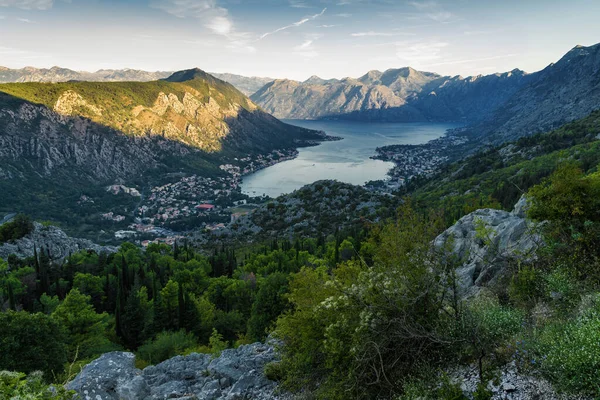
x: 485, y: 241
x: 510, y: 384
x: 52, y: 239
x: 236, y: 374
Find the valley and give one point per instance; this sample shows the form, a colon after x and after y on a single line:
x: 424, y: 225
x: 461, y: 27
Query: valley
x: 423, y: 223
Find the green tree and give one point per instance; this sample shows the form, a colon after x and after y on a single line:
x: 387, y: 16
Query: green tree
x: 31, y: 342
x: 269, y: 303
x: 86, y: 328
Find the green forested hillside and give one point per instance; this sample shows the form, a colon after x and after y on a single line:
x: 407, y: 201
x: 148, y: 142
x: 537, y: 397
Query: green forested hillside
x: 378, y: 314
x: 497, y: 177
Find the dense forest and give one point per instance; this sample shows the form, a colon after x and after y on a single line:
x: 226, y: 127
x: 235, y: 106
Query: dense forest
x: 369, y: 313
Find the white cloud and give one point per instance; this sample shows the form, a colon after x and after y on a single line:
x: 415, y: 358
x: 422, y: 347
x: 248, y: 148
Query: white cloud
x: 471, y: 60
x: 295, y: 24
x: 343, y: 15
x: 415, y: 54
x: 28, y: 4
x: 25, y: 20
x: 432, y: 10
x: 306, y: 49
x: 212, y: 16
x: 375, y: 33
x: 327, y: 26
x: 298, y: 4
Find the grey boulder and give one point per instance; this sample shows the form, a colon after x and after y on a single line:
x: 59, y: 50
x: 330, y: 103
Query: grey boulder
x: 485, y: 241
x: 235, y: 374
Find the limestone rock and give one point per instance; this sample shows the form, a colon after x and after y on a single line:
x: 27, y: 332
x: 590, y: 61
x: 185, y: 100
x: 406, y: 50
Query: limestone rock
x: 235, y: 374
x: 484, y: 241
x: 52, y: 239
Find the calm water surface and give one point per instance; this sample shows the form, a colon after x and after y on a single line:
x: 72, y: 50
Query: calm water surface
x: 345, y: 160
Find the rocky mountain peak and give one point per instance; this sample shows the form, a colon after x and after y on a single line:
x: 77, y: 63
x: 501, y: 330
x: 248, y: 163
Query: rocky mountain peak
x: 314, y: 80
x: 371, y: 77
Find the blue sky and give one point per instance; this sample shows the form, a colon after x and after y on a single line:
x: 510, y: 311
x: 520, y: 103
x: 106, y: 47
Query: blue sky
x: 295, y: 38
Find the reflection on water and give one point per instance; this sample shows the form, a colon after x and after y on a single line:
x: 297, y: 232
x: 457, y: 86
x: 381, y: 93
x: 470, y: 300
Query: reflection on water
x: 345, y: 160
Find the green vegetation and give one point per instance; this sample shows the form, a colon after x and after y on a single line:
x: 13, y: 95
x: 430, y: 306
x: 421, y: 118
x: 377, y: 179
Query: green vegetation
x: 369, y: 313
x: 20, y: 226
x: 497, y: 177
x: 14, y: 385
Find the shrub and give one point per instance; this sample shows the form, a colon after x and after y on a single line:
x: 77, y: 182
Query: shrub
x: 31, y: 342
x: 570, y: 354
x: 274, y: 371
x: 524, y: 286
x: 165, y: 346
x: 485, y: 327
x: 20, y: 226
x: 15, y: 385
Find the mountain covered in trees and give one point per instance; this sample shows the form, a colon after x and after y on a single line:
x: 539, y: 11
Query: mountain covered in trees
x: 62, y: 140
x: 246, y: 85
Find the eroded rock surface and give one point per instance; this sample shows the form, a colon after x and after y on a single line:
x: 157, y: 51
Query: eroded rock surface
x: 53, y: 240
x: 235, y: 374
x: 485, y: 241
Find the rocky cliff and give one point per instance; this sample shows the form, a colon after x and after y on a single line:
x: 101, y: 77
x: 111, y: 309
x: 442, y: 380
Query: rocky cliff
x: 53, y: 240
x: 235, y: 374
x: 562, y: 92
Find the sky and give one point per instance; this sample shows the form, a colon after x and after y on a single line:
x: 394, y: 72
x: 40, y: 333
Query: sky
x: 295, y: 38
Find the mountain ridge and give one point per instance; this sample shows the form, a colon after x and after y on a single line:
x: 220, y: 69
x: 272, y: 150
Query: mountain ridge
x: 246, y: 85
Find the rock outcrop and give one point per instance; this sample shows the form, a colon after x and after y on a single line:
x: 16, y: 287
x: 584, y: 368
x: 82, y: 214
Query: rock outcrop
x: 53, y: 240
x: 485, y: 241
x: 511, y: 385
x: 235, y: 374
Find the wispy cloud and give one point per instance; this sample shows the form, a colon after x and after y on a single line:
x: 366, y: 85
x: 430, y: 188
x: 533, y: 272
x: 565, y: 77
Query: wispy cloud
x: 471, y: 60
x: 343, y: 15
x: 327, y: 26
x: 417, y: 53
x: 299, y: 4
x: 306, y: 49
x: 25, y: 20
x: 433, y: 10
x: 212, y: 16
x: 376, y: 33
x: 28, y: 4
x: 295, y: 24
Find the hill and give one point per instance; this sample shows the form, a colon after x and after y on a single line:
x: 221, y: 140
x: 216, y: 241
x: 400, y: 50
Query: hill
x: 246, y: 85
x: 66, y: 140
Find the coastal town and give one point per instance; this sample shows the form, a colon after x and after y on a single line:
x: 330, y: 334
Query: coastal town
x: 203, y: 204
x: 411, y: 161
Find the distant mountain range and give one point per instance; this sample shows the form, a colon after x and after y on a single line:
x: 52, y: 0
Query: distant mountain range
x: 496, y: 107
x: 403, y: 94
x: 246, y: 85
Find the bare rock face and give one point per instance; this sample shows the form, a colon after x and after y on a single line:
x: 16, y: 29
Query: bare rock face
x: 235, y: 374
x: 52, y: 239
x: 485, y: 241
